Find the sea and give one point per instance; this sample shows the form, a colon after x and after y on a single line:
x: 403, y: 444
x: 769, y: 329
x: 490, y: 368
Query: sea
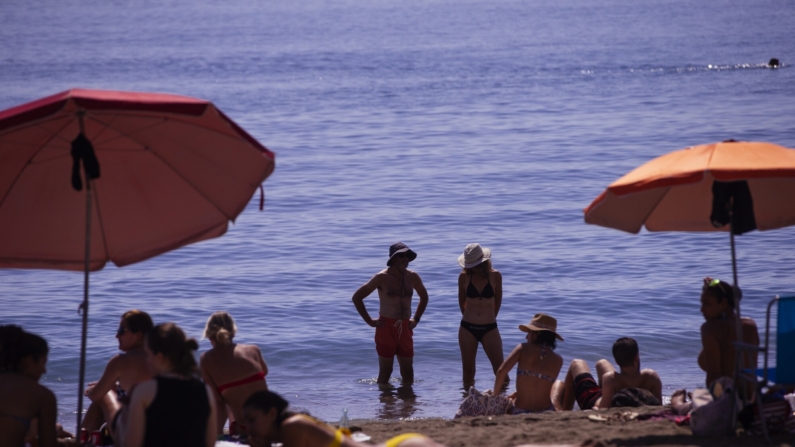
x: 438, y: 123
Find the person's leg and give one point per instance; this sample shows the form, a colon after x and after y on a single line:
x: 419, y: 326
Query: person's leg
x: 406, y: 370
x: 679, y: 402
x: 602, y: 367
x: 492, y: 344
x: 469, y: 350
x: 576, y: 368
x: 93, y: 418
x: 557, y: 395
x: 384, y: 369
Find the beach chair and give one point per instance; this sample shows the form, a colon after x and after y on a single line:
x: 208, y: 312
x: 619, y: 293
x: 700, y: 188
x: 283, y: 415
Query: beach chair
x: 782, y: 375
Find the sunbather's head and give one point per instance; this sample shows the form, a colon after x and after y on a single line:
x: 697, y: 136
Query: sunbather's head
x: 169, y: 350
x: 133, y: 327
x: 541, y: 330
x: 264, y: 412
x: 625, y: 351
x: 717, y: 298
x: 22, y: 352
x: 220, y: 328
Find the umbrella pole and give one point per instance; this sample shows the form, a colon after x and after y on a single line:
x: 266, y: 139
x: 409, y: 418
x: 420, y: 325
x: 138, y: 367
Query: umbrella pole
x: 84, y: 305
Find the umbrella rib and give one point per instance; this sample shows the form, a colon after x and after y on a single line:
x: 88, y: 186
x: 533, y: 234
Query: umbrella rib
x: 36, y: 152
x: 172, y: 168
x: 101, y: 224
x: 651, y: 210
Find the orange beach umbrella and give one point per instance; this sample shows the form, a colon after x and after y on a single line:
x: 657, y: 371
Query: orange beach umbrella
x: 730, y: 186
x: 91, y: 176
x: 674, y: 192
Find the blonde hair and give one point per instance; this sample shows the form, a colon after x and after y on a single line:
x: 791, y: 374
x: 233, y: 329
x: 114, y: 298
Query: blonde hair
x: 220, y: 328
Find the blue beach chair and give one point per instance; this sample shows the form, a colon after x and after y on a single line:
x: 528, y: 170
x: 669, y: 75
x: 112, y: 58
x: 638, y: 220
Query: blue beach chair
x: 782, y: 375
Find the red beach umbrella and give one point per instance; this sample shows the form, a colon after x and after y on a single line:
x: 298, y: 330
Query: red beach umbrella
x: 158, y: 172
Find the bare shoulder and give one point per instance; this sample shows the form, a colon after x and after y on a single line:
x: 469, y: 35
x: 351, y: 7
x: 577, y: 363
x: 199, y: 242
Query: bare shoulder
x: 496, y: 274
x: 648, y: 372
x: 713, y: 327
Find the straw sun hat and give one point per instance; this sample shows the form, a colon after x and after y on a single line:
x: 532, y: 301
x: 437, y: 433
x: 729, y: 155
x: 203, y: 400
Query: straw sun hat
x: 473, y: 255
x: 542, y: 322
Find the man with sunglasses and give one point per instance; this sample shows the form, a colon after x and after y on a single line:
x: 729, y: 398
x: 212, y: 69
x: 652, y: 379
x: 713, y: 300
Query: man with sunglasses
x: 122, y: 372
x: 394, y: 327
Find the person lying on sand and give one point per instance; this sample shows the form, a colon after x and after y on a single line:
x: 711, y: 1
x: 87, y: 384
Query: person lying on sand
x: 539, y: 366
x: 635, y: 386
x: 233, y: 371
x: 269, y: 421
x: 123, y: 372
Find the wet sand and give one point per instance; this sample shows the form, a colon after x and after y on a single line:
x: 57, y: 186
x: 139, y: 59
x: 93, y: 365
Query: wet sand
x: 558, y: 429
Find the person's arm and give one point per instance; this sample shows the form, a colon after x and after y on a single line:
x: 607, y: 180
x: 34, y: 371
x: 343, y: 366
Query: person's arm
x: 363, y: 292
x: 262, y: 363
x: 656, y: 384
x: 507, y: 365
x: 608, y: 390
x: 710, y: 354
x: 109, y: 377
x: 423, y: 294
x: 220, y: 413
x: 134, y: 428
x: 497, y: 292
x: 462, y: 292
x: 47, y: 419
x: 212, y: 427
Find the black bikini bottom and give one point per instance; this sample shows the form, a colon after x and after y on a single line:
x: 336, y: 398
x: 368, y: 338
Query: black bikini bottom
x: 478, y: 330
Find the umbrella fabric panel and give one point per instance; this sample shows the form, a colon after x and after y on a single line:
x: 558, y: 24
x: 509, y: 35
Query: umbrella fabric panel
x: 173, y: 171
x: 626, y: 212
x: 774, y: 202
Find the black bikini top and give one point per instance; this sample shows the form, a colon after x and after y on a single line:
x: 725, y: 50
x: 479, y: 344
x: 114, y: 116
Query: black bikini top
x: 487, y: 292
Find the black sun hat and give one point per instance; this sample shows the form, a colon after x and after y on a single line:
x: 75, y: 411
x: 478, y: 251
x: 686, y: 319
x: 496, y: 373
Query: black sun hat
x: 400, y: 247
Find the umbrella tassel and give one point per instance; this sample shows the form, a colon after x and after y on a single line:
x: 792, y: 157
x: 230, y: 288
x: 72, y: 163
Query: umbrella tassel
x: 261, y: 197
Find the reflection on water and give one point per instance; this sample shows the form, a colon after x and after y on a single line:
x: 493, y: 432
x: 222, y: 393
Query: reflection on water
x: 398, y: 403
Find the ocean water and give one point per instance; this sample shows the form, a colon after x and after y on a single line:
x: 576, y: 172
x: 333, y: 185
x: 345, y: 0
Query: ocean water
x: 437, y: 123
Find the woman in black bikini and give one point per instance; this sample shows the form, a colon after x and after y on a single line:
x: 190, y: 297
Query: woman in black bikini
x: 479, y: 297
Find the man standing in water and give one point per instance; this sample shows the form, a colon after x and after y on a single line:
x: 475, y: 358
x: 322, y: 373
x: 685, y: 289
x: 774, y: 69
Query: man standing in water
x: 394, y: 327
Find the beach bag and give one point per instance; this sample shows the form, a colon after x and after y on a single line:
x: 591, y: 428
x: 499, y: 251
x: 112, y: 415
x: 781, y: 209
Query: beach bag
x: 634, y: 397
x: 711, y: 413
x: 778, y: 415
x: 479, y: 404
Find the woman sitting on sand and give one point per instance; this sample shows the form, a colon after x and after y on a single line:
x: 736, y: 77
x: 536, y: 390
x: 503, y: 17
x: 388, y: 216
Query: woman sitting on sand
x: 232, y: 370
x: 23, y: 360
x: 175, y: 408
x: 269, y: 421
x: 538, y: 369
x: 717, y: 356
x: 123, y: 372
x: 480, y: 298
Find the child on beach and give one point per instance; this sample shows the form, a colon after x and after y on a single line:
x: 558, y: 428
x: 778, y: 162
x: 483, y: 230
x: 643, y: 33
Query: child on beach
x: 479, y: 298
x: 123, y: 372
x: 539, y: 366
x: 269, y: 421
x: 232, y: 370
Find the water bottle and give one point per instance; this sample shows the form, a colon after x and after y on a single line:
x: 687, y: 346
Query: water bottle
x: 344, y: 422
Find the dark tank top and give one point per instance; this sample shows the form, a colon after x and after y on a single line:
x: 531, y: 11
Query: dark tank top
x: 178, y: 414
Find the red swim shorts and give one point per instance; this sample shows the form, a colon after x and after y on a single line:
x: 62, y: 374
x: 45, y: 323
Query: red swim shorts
x: 394, y: 338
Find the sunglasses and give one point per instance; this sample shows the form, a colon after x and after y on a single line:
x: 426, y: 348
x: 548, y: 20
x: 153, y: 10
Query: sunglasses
x: 121, y: 331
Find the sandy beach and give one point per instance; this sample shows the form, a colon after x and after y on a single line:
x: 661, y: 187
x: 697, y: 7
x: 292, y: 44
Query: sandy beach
x: 559, y: 429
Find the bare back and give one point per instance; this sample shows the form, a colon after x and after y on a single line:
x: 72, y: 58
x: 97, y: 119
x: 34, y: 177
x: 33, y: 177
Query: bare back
x: 22, y: 399
x: 615, y: 381
x: 717, y: 357
x: 226, y: 364
x: 535, y: 376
